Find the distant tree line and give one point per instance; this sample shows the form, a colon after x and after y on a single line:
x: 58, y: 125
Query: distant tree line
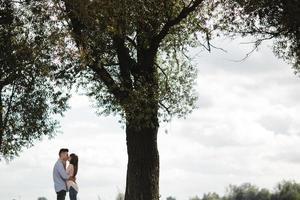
x: 285, y: 190
x: 42, y: 198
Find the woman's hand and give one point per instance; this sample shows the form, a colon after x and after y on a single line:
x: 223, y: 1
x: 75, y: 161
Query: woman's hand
x: 72, y: 178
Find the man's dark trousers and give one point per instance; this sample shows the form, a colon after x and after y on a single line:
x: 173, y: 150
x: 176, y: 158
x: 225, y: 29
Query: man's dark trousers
x: 61, y: 195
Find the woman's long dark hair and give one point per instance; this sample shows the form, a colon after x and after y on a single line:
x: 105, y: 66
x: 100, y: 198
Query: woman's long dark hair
x: 74, y: 162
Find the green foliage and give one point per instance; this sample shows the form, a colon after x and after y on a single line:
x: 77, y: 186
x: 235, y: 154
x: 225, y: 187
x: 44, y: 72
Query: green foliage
x: 287, y: 190
x: 120, y: 196
x: 170, y: 198
x: 142, y: 47
x: 267, y: 19
x: 29, y: 77
x: 248, y: 192
x: 42, y: 198
x: 194, y: 198
x: 177, y: 76
x: 119, y: 51
x: 129, y: 56
x: 211, y: 196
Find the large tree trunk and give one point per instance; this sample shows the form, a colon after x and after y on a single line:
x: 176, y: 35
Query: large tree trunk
x: 143, y: 161
x: 1, y: 121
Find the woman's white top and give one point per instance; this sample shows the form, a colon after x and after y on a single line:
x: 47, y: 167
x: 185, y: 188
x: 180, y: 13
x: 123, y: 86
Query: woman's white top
x: 70, y: 172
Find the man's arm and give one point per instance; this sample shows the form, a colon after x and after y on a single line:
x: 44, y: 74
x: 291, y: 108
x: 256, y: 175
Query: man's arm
x: 62, y: 172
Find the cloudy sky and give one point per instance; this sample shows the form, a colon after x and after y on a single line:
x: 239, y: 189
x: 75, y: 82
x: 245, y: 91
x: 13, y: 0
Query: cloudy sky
x: 247, y: 129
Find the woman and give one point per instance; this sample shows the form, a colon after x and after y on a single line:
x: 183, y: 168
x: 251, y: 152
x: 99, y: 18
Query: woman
x: 72, y: 171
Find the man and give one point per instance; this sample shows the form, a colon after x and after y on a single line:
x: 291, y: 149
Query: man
x: 60, y: 175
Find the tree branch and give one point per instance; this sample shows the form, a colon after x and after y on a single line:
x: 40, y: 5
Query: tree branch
x: 8, y: 80
x: 104, y: 76
x: 77, y: 27
x: 256, y: 43
x: 166, y: 108
x: 8, y: 107
x: 131, y: 41
x: 125, y: 61
x: 166, y: 77
x: 173, y: 22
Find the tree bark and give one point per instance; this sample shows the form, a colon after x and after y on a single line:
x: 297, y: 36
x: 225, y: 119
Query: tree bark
x: 143, y: 161
x: 1, y: 121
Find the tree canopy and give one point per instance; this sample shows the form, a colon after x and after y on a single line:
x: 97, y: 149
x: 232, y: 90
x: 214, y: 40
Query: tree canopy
x: 103, y: 43
x: 285, y: 190
x: 267, y: 19
x: 29, y: 97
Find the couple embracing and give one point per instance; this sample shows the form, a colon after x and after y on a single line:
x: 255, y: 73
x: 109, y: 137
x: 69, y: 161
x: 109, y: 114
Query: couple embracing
x: 64, y: 176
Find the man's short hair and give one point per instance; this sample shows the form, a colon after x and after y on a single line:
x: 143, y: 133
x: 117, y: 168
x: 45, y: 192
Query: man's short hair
x: 63, y: 151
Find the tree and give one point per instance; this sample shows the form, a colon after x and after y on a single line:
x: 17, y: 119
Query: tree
x: 287, y: 190
x: 133, y: 56
x: 120, y: 196
x: 194, y: 198
x: 211, y: 196
x: 42, y: 198
x: 263, y: 194
x: 247, y: 191
x: 132, y: 61
x: 265, y: 20
x: 28, y: 98
x: 170, y: 198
